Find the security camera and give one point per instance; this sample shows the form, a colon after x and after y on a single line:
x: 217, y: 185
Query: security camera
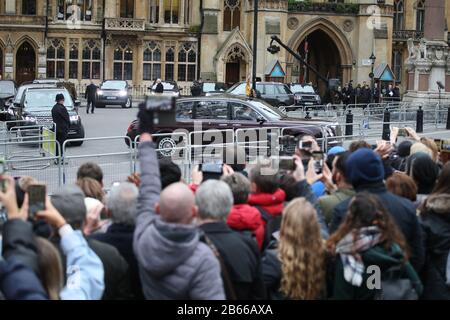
x: 440, y: 85
x: 273, y: 49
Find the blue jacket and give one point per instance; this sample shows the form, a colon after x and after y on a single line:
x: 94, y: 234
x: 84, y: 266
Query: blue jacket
x: 85, y: 272
x: 18, y: 282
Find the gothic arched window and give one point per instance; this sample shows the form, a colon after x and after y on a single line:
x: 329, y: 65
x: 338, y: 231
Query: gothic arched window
x: 231, y: 14
x: 420, y: 15
x: 398, y: 15
x: 123, y: 62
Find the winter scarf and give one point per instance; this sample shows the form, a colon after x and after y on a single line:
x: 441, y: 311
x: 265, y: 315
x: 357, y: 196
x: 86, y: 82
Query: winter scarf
x: 350, y: 247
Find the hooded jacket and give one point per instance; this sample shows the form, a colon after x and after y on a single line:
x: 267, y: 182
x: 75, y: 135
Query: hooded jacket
x: 435, y: 219
x: 272, y: 203
x: 173, y: 263
x: 245, y: 217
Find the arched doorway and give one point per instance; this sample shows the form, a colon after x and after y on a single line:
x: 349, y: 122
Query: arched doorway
x: 25, y: 63
x: 321, y: 52
x: 235, y: 65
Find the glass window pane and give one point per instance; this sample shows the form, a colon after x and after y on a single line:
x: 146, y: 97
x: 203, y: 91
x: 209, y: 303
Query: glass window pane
x: 182, y: 56
x: 175, y: 10
x: 73, y: 53
x: 86, y: 70
x: 192, y: 57
x: 147, y: 55
x: 86, y: 54
x: 181, y: 72
x: 212, y: 110
x: 169, y: 71
x: 128, y: 71
x: 73, y: 70
x: 191, y: 72
x: 118, y: 71
x: 170, y: 55
x: 117, y: 54
x: 60, y: 53
x: 51, y: 53
x: 60, y: 69
x: 50, y: 69
x: 96, y: 54
x: 227, y: 20
x: 147, y: 71
x: 157, y: 55
x: 184, y: 110
x: 95, y: 70
x: 156, y: 71
x: 128, y: 55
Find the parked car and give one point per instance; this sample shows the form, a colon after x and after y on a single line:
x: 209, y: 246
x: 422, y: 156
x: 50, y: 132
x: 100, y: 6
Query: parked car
x: 232, y: 112
x: 170, y: 89
x: 213, y: 88
x: 114, y: 92
x: 8, y: 90
x: 305, y: 95
x: 59, y: 82
x: 275, y: 93
x: 35, y: 108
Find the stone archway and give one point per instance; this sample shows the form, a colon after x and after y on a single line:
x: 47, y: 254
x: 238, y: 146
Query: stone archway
x: 25, y: 63
x: 331, y: 46
x: 236, y: 64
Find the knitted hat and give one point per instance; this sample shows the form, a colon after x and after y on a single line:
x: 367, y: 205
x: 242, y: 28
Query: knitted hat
x: 364, y: 166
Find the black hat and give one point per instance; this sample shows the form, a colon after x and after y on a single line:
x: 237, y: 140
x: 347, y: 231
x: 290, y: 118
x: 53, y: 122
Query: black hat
x: 59, y: 97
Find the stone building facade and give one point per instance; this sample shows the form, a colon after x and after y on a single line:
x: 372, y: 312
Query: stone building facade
x: 182, y: 40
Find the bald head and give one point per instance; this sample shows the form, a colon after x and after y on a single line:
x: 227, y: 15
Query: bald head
x: 177, y: 204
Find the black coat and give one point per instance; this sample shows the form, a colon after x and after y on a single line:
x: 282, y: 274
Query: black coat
x: 241, y: 257
x: 404, y: 213
x: 159, y: 88
x: 117, y: 281
x: 91, y: 92
x: 272, y: 274
x: 61, y: 118
x: 121, y: 237
x: 436, y: 225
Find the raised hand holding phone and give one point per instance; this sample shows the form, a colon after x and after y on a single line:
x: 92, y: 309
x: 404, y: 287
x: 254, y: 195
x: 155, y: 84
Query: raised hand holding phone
x: 51, y: 215
x: 8, y: 198
x: 36, y: 199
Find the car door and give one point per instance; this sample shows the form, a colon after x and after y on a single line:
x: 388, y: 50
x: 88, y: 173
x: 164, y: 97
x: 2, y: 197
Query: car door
x: 214, y: 114
x: 270, y: 94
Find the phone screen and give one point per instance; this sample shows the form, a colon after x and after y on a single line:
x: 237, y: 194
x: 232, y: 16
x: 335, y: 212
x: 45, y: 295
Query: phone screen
x: 36, y: 199
x: 287, y: 163
x: 318, y: 161
x: 402, y: 132
x: 305, y: 145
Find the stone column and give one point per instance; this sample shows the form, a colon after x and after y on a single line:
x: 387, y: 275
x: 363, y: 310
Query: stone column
x: 161, y: 12
x: 181, y: 21
x: 434, y: 20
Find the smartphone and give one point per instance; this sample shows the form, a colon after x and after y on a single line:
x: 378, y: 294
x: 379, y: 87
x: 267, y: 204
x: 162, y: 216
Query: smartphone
x: 211, y: 171
x: 305, y: 145
x: 287, y: 164
x: 402, y: 132
x: 37, y: 194
x: 319, y: 159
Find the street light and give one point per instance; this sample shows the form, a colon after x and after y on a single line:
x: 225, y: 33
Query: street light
x: 372, y: 76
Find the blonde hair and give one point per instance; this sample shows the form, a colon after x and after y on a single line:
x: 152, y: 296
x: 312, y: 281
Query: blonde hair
x: 50, y: 268
x: 301, y: 252
x: 430, y: 144
x: 420, y: 147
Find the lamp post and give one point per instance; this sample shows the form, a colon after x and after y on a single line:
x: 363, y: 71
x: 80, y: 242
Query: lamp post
x: 372, y: 76
x: 255, y: 41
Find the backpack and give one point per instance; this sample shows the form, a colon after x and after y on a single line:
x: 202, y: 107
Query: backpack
x: 394, y: 287
x: 273, y: 224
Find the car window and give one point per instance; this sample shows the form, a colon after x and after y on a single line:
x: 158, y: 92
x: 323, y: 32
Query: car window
x: 168, y: 86
x: 214, y: 110
x: 270, y: 89
x: 302, y: 88
x: 243, y: 112
x: 44, y: 99
x: 114, y: 85
x: 7, y: 87
x: 239, y: 89
x: 283, y: 89
x: 184, y: 110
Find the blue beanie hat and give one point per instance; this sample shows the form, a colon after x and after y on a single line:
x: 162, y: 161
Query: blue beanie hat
x: 364, y: 166
x: 336, y: 150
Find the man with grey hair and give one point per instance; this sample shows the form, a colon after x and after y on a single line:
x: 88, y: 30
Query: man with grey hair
x: 69, y: 201
x: 121, y: 204
x: 241, y: 267
x: 173, y: 262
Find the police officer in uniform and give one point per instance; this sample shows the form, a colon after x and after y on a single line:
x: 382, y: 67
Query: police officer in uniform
x: 61, y: 119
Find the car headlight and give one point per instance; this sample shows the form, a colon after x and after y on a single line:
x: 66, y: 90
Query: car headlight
x: 100, y: 92
x: 74, y: 118
x: 317, y: 98
x: 30, y: 118
x: 122, y: 93
x: 11, y: 111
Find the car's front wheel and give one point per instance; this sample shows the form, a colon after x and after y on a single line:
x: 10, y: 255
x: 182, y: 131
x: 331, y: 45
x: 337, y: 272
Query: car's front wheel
x: 81, y: 136
x: 127, y: 104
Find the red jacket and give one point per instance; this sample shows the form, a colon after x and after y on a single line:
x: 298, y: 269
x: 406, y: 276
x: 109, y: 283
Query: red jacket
x: 273, y: 203
x: 246, y: 217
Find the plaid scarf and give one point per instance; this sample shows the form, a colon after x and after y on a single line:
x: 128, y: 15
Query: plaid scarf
x: 349, y: 249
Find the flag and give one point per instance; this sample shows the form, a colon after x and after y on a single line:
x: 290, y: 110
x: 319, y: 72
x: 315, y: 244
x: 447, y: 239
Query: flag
x: 248, y: 88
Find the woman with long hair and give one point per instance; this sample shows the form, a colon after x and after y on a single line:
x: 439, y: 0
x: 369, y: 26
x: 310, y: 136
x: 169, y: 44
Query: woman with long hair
x: 435, y: 218
x: 50, y: 268
x: 296, y: 269
x: 367, y: 237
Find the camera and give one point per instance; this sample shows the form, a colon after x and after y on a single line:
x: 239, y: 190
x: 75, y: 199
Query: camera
x: 443, y: 145
x: 162, y: 108
x: 211, y: 171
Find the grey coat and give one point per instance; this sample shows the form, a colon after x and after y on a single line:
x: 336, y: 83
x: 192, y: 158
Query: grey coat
x: 173, y: 263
